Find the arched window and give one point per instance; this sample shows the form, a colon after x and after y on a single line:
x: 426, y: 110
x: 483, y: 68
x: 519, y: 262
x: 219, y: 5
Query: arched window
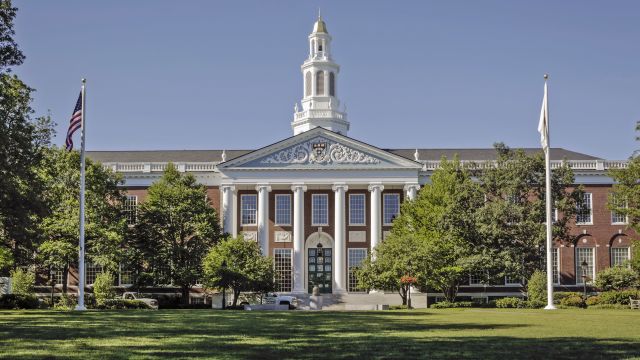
x: 332, y: 84
x: 307, y: 84
x: 320, y: 83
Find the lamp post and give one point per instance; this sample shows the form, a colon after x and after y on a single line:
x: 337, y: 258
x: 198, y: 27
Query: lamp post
x: 224, y: 282
x: 584, y: 277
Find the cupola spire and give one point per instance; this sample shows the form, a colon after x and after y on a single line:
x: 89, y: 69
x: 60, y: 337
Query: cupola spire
x: 320, y: 103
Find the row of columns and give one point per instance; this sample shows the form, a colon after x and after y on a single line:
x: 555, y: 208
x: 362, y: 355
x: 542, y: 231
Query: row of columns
x: 340, y: 190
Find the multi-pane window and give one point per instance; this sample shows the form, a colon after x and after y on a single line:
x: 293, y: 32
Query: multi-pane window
x: 512, y: 280
x: 320, y: 209
x: 616, y: 217
x: 556, y: 265
x: 355, y: 258
x: 130, y: 208
x: 57, y: 276
x: 199, y: 300
x: 619, y: 255
x: 585, y: 255
x: 91, y: 272
x: 283, y: 209
x: 126, y: 276
x: 391, y: 208
x: 282, y: 264
x: 357, y: 209
x: 248, y: 209
x: 475, y: 279
x: 584, y: 210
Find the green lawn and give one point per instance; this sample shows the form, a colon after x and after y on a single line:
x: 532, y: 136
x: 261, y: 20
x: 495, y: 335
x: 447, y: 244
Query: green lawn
x: 454, y: 334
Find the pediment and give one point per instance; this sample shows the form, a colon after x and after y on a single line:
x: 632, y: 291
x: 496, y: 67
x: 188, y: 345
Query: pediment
x: 319, y: 149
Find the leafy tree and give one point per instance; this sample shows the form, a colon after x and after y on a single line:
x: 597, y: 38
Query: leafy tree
x: 511, y: 222
x: 537, y: 289
x: 22, y: 282
x: 246, y: 269
x: 625, y: 195
x: 432, y: 238
x: 6, y: 259
x: 105, y: 224
x: 22, y: 140
x: 177, y: 226
x: 103, y: 287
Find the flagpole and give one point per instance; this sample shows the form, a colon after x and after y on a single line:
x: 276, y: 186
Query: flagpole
x: 81, y: 275
x: 547, y: 159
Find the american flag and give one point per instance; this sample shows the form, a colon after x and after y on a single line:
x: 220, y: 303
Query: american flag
x: 75, y: 123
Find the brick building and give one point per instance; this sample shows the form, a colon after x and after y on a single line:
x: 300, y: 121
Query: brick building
x: 319, y: 201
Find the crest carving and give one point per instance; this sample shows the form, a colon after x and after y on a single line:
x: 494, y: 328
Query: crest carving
x: 320, y: 151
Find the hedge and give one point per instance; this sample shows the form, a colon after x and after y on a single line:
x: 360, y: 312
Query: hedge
x: 19, y: 301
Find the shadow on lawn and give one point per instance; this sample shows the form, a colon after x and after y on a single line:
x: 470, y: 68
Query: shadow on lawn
x: 263, y: 335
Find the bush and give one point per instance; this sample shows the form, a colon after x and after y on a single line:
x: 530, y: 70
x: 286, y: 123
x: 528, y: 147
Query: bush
x: 573, y: 301
x: 593, y: 300
x: 22, y: 282
x: 616, y: 278
x: 510, y: 302
x: 535, y: 304
x: 19, y: 301
x: 620, y: 297
x: 121, y: 304
x: 537, y: 287
x: 69, y: 302
x: 103, y: 287
x: 558, y: 296
x: 449, y: 304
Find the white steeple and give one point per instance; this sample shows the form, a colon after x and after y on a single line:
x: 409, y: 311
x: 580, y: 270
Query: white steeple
x: 320, y: 104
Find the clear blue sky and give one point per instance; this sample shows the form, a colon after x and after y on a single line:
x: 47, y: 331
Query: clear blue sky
x: 447, y: 74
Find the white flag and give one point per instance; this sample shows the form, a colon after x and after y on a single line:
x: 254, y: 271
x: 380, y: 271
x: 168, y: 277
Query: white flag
x: 543, y: 125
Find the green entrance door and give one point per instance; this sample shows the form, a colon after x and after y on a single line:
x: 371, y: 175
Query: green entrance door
x: 320, y: 268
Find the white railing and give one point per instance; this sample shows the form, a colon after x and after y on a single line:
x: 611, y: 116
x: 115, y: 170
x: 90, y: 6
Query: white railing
x: 430, y: 165
x: 160, y: 167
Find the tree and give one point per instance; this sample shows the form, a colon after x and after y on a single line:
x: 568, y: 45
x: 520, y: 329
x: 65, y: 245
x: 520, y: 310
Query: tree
x: 625, y: 195
x: 105, y: 224
x: 22, y: 140
x: 432, y: 238
x: 103, y: 287
x: 177, y: 226
x: 22, y: 282
x: 511, y: 222
x: 617, y: 278
x: 246, y: 269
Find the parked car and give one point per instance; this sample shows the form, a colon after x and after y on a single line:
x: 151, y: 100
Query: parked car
x: 274, y: 298
x: 152, y: 303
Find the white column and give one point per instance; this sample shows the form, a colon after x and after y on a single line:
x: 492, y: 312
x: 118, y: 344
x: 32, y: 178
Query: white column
x: 376, y: 214
x: 227, y: 208
x: 298, y: 238
x: 263, y: 217
x: 411, y: 191
x: 339, y: 278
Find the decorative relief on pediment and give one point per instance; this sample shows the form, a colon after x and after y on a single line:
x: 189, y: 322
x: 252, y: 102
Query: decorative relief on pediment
x: 320, y: 151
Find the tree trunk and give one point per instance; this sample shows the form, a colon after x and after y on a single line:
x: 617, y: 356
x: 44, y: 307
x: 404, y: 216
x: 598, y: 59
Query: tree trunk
x: 236, y: 294
x: 185, y: 294
x: 403, y: 294
x: 65, y: 278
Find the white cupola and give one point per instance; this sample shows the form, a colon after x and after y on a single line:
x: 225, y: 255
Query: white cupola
x: 320, y: 104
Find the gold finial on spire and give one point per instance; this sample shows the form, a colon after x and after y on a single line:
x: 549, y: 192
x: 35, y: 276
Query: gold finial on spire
x: 320, y: 26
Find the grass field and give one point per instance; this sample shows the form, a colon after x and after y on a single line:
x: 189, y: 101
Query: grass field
x: 453, y: 334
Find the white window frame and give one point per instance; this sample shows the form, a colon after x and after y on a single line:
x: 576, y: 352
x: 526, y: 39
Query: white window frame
x: 627, y: 258
x: 58, y: 276
x: 277, y: 220
x: 614, y: 214
x: 350, y: 275
x: 556, y: 266
x: 314, y: 209
x: 131, y: 209
x: 579, y: 267
x: 510, y: 283
x: 242, y: 209
x: 590, y: 222
x: 384, y: 207
x: 120, y: 271
x: 478, y: 275
x: 275, y: 267
x: 364, y: 210
x: 88, y: 265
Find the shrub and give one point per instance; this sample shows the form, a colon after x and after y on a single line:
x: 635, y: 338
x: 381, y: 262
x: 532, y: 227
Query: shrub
x: 69, y: 302
x: 537, y: 287
x: 616, y: 278
x: 509, y: 302
x: 121, y: 304
x: 103, y: 287
x: 618, y: 297
x: 593, y: 300
x: 22, y: 282
x: 535, y: 304
x: 573, y: 301
x: 19, y: 301
x: 449, y: 304
x: 558, y: 296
